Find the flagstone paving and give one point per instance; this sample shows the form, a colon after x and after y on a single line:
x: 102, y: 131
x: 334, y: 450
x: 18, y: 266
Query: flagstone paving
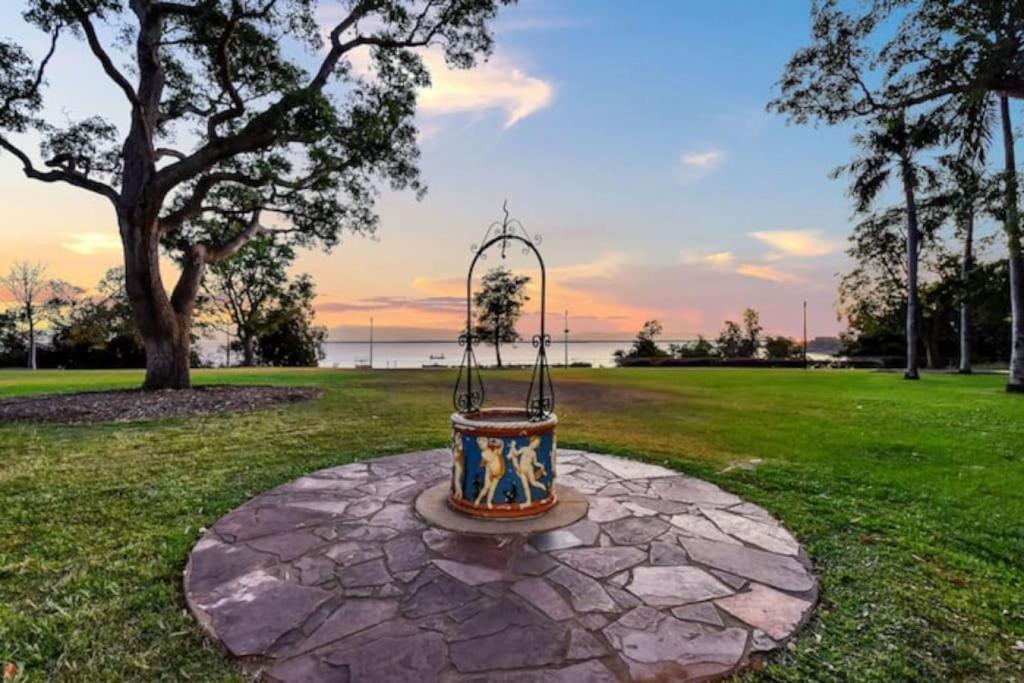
x: 333, y: 577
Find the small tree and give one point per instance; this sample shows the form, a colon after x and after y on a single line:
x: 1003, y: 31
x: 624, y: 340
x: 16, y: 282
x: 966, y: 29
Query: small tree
x: 289, y: 337
x: 27, y: 284
x: 12, y: 344
x: 751, y: 333
x: 98, y: 331
x: 740, y: 342
x: 701, y: 348
x: 781, y: 348
x: 240, y: 292
x: 730, y: 340
x: 644, y: 346
x: 499, y: 304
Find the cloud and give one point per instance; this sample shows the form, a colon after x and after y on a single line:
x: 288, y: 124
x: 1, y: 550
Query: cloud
x: 697, y: 164
x: 89, y: 243
x: 768, y: 273
x: 498, y: 83
x: 429, y: 304
x: 797, y: 242
x: 604, y: 266
x: 716, y: 259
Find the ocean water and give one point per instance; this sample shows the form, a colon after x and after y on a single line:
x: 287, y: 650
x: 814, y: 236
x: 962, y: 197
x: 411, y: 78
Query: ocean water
x: 390, y: 354
x: 420, y: 354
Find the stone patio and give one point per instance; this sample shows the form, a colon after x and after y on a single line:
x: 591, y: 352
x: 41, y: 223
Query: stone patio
x: 334, y: 577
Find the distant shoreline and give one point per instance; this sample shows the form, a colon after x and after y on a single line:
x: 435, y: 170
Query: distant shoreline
x: 524, y: 341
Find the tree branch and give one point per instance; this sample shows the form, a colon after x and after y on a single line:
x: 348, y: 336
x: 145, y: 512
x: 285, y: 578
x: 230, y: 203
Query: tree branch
x: 40, y: 72
x: 193, y: 205
x: 260, y: 129
x: 104, y: 58
x: 161, y: 152
x: 62, y: 175
x: 218, y: 253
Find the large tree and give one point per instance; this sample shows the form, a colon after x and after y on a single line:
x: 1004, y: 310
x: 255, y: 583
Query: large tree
x: 948, y: 54
x: 225, y: 120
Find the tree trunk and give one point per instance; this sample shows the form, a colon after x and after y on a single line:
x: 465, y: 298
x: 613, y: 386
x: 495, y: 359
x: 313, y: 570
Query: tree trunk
x: 164, y: 322
x: 31, y: 360
x: 1012, y: 228
x: 497, y: 348
x: 966, y: 264
x: 248, y: 350
x: 933, y: 347
x: 167, y: 362
x: 912, y: 253
x: 164, y: 325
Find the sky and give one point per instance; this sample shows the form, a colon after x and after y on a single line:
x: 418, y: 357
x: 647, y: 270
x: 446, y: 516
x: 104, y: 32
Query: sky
x: 632, y: 137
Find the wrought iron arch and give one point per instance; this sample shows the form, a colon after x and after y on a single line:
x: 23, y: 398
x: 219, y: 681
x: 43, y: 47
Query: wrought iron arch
x: 469, y: 394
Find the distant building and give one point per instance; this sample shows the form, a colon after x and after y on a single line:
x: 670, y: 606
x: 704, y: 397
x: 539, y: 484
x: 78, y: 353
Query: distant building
x: 829, y: 345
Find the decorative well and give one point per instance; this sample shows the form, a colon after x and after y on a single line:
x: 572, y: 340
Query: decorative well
x: 503, y: 458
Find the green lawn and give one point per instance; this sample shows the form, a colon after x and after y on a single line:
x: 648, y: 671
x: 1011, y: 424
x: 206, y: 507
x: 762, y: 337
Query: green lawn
x: 908, y: 496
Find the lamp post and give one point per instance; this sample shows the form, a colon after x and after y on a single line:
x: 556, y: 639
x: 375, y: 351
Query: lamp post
x: 805, y: 335
x: 565, y: 339
x: 371, y: 342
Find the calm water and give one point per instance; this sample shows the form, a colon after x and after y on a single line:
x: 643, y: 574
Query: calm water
x: 449, y: 354
x: 418, y: 354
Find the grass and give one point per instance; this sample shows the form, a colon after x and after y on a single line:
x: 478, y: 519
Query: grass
x: 908, y: 496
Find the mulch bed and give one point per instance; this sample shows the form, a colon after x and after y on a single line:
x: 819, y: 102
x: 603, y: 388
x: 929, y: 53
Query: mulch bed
x: 129, y: 405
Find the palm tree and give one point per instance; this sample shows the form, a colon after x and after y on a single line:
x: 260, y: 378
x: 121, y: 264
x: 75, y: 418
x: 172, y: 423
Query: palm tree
x: 963, y: 195
x: 969, y: 121
x: 889, y: 148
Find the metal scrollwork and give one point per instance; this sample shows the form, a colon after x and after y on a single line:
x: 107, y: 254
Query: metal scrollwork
x: 468, y: 396
x: 469, y: 389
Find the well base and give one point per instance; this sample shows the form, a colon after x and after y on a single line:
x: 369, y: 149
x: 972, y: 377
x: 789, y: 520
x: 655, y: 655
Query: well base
x: 433, y: 505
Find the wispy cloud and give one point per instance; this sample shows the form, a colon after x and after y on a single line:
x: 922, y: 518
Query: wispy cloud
x: 797, y: 242
x: 717, y: 259
x: 696, y: 164
x: 769, y: 273
x: 604, y: 266
x: 430, y: 304
x: 498, y: 84
x: 501, y: 83
x: 89, y: 243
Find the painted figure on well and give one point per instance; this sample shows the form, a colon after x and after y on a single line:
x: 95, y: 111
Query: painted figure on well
x: 527, y: 467
x: 459, y: 466
x: 494, y: 468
